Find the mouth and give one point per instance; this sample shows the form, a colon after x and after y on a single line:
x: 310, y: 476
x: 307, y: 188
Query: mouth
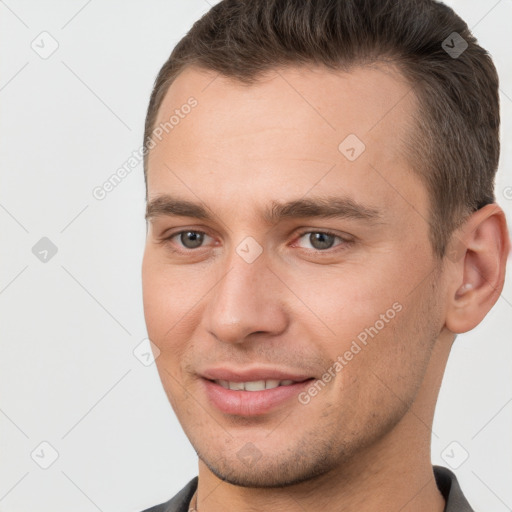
x: 253, y: 397
x: 255, y: 385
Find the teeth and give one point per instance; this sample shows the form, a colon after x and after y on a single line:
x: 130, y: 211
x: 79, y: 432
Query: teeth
x: 271, y: 384
x: 255, y: 385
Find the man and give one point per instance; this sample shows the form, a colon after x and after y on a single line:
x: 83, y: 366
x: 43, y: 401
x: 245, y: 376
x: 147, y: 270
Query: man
x: 321, y: 226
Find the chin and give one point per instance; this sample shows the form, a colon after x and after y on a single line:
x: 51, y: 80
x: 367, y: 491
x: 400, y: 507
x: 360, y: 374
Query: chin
x: 273, y: 471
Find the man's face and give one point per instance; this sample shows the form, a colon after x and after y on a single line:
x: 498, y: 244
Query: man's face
x: 244, y: 296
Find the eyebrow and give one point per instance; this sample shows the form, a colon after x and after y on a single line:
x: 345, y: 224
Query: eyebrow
x: 316, y: 207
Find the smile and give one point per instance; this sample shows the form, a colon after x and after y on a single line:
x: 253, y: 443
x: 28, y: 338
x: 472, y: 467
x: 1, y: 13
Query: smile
x: 252, y: 397
x: 254, y: 385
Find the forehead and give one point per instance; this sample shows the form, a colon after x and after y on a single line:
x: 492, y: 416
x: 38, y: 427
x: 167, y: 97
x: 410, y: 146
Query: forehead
x: 292, y: 131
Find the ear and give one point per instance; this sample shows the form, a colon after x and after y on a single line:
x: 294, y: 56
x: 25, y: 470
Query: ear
x: 478, y: 253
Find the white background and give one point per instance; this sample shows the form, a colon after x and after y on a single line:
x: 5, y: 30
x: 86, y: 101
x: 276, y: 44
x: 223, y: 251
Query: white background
x: 68, y: 375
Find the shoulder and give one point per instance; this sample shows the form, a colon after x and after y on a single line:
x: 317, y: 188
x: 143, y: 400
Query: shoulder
x: 178, y: 503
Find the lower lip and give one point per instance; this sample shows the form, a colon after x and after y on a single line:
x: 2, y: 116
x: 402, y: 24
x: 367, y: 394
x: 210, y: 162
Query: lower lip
x: 251, y: 403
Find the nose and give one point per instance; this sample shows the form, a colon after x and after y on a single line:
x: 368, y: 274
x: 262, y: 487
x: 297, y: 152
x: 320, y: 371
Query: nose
x: 247, y: 300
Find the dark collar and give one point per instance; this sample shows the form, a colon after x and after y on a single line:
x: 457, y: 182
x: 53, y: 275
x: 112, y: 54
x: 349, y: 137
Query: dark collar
x: 450, y: 489
x: 446, y: 482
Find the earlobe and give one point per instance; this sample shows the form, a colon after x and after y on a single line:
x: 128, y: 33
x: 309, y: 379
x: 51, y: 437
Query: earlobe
x: 479, y: 272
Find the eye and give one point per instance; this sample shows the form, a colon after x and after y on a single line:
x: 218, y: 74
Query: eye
x: 313, y: 240
x: 189, y: 239
x: 321, y: 240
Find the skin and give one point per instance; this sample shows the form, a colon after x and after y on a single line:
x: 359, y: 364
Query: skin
x: 363, y: 442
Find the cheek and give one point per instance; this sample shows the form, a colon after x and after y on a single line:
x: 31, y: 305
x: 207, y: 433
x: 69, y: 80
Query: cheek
x: 168, y: 297
x: 371, y: 324
x: 391, y: 367
x: 342, y: 304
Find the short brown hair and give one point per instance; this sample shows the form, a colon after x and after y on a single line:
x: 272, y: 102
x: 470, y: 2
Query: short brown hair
x: 455, y: 144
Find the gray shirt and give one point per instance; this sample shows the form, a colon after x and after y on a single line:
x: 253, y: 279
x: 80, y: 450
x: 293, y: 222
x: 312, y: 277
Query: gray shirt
x: 445, y: 479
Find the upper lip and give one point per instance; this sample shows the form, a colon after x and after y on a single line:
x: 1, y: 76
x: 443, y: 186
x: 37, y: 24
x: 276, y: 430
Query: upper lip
x: 252, y: 374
